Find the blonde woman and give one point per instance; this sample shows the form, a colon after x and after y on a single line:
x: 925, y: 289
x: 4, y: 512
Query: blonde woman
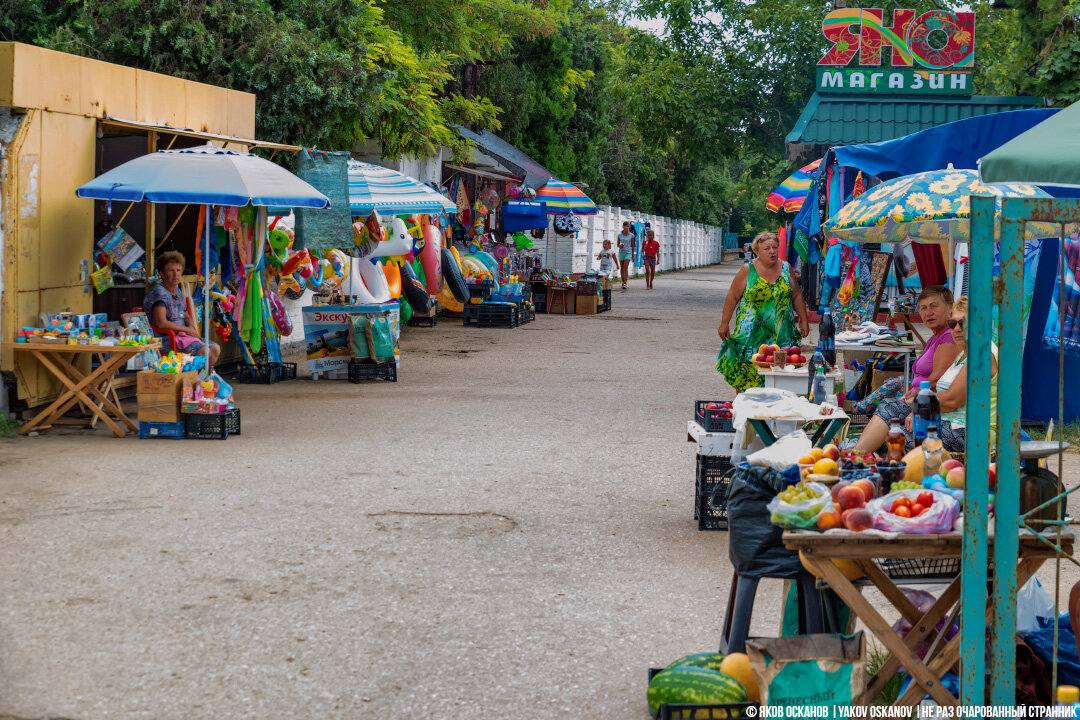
x: 766, y: 304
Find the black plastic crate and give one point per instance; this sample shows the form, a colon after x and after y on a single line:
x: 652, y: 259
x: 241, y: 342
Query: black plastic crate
x: 497, y: 315
x: 605, y: 301
x: 705, y: 711
x: 288, y: 370
x: 259, y: 374
x: 469, y: 313
x: 362, y: 370
x: 922, y: 568
x: 710, y: 419
x: 423, y: 321
x: 212, y: 427
x: 714, y: 475
x: 480, y: 290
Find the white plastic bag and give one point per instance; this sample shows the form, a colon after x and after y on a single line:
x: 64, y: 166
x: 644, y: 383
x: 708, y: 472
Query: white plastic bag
x: 783, y: 453
x: 1033, y: 603
x: 937, y: 519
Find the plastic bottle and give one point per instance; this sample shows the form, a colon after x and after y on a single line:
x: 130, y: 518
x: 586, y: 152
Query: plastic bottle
x: 927, y: 412
x: 818, y: 396
x: 1069, y: 697
x: 827, y: 337
x: 931, y: 448
x: 816, y: 361
x: 896, y: 441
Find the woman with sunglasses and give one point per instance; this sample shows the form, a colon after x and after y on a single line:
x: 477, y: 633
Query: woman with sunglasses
x: 951, y: 393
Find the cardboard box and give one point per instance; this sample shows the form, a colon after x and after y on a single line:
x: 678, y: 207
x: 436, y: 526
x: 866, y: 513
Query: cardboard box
x: 160, y: 393
x: 159, y: 408
x: 587, y: 304
x: 878, y: 378
x: 605, y: 284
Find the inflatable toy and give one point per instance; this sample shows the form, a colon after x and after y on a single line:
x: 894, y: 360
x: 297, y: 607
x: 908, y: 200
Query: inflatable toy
x: 430, y: 258
x: 449, y: 301
x: 454, y: 280
x: 280, y: 317
x: 279, y: 243
x: 315, y: 274
x: 413, y: 290
x: 400, y: 241
x: 337, y: 263
x: 291, y: 287
x: 373, y: 288
x: 393, y: 279
x: 298, y: 262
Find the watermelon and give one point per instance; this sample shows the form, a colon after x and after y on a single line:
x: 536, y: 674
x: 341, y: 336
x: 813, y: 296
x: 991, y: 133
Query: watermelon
x: 703, y: 660
x: 696, y: 685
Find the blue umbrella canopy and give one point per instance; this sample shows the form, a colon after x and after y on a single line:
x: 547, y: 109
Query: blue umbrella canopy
x: 204, y: 175
x: 375, y: 188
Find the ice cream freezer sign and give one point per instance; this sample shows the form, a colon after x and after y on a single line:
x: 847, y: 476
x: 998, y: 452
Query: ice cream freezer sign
x: 930, y: 54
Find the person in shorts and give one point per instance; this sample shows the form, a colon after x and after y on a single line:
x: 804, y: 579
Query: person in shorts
x: 650, y: 252
x: 626, y: 251
x: 607, y: 259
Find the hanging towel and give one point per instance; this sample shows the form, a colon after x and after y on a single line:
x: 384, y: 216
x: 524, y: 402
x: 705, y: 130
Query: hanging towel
x: 928, y: 261
x: 1056, y: 335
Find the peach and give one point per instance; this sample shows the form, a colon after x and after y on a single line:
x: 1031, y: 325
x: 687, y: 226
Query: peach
x: 828, y: 520
x: 831, y: 451
x: 866, y: 486
x: 837, y: 488
x: 859, y: 519
x: 851, y: 497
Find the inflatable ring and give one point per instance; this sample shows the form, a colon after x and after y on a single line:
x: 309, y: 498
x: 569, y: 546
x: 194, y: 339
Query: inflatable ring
x: 413, y: 290
x: 393, y: 279
x: 281, y: 318
x: 374, y: 281
x: 296, y: 262
x: 338, y: 263
x: 315, y: 280
x: 430, y: 259
x: 452, y: 275
x: 448, y: 301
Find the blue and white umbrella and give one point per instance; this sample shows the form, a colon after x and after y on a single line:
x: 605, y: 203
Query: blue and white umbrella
x: 379, y: 189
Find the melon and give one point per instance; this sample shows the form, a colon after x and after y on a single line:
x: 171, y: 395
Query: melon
x: 848, y: 567
x: 694, y: 685
x: 737, y: 665
x: 914, y: 461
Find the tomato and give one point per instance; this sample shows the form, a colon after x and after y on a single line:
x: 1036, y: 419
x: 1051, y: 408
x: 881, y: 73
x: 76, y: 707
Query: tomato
x: 926, y: 498
x: 901, y: 502
x: 902, y: 511
x: 917, y: 509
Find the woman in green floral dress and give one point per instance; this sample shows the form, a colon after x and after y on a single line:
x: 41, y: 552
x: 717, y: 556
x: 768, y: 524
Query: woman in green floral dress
x: 768, y: 303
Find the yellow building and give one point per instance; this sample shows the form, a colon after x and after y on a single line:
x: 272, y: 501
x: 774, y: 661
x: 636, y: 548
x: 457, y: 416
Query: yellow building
x: 64, y: 120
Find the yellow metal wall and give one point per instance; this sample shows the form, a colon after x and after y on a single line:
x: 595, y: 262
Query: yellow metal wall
x: 48, y: 230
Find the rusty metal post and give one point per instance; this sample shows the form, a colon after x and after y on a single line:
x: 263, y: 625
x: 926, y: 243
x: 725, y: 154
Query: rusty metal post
x: 974, y: 565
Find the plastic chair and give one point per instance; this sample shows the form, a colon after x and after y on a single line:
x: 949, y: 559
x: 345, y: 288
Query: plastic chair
x: 740, y: 608
x: 170, y: 334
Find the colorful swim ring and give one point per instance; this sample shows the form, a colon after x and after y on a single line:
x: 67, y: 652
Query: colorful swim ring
x: 431, y: 259
x: 448, y: 301
x: 335, y: 269
x: 413, y: 290
x: 393, y: 279
x: 280, y: 317
x: 455, y: 281
x: 374, y: 281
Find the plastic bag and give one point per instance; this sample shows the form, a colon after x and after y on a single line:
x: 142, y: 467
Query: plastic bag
x: 1034, y: 608
x: 937, y: 519
x: 809, y: 671
x: 923, y: 601
x: 802, y: 513
x: 783, y: 453
x: 1042, y: 642
x: 358, y: 345
x: 760, y: 551
x: 380, y: 337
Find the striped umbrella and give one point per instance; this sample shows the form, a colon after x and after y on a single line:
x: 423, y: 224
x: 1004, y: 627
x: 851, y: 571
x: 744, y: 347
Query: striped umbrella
x: 375, y: 188
x: 562, y: 198
x: 790, y: 194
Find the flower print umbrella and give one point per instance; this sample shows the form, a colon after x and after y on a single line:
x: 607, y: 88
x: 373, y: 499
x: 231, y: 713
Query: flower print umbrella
x: 790, y: 194
x: 927, y: 207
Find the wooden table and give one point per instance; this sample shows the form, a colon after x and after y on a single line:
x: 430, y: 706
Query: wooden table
x: 819, y: 549
x: 90, y: 391
x: 561, y: 299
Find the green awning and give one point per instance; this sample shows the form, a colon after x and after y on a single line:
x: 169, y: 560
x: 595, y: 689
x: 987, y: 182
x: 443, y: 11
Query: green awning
x: 1047, y: 154
x: 836, y: 119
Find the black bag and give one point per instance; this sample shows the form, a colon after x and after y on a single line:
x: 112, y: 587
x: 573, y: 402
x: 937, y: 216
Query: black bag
x: 760, y: 551
x: 567, y: 224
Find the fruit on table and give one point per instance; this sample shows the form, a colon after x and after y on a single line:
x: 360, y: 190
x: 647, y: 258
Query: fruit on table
x: 831, y: 451
x: 949, y: 465
x: 925, y: 498
x: 867, y: 487
x: 905, y: 485
x: 848, y: 567
x: 697, y: 685
x: 708, y: 660
x: 858, y: 519
x: 737, y: 665
x: 826, y: 466
x: 954, y: 478
x: 914, y: 461
x: 837, y: 488
x: 850, y: 497
x: 829, y: 520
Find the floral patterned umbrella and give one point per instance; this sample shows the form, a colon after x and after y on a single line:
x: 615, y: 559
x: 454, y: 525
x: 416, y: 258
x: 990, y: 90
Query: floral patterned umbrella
x: 928, y: 207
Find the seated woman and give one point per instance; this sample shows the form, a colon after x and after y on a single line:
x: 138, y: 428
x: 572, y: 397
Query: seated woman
x: 951, y: 393
x: 167, y: 309
x: 935, y: 306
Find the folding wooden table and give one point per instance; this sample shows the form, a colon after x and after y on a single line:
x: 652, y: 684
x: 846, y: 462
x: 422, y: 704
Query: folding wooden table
x: 90, y: 391
x: 819, y: 549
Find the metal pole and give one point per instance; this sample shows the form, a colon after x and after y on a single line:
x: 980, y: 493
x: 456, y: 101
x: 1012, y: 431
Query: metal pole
x: 973, y: 572
x: 1007, y: 498
x: 207, y: 231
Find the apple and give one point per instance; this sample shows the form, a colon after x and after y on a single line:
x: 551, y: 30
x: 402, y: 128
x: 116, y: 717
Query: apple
x: 758, y: 357
x: 851, y: 497
x: 764, y: 350
x: 793, y: 351
x: 955, y: 477
x: 949, y: 465
x: 775, y: 347
x: 859, y: 519
x: 925, y: 498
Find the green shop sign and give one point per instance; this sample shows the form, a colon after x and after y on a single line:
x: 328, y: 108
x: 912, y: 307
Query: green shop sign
x: 894, y: 80
x: 933, y: 53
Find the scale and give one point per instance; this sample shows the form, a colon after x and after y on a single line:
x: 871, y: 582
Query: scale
x: 1038, y: 485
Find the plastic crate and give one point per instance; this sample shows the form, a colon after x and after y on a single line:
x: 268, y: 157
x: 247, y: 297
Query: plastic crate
x: 707, y: 711
x: 605, y: 301
x: 481, y: 291
x: 710, y: 419
x: 469, y: 313
x: 497, y: 315
x: 212, y: 427
x: 361, y: 370
x: 287, y: 370
x: 427, y: 321
x: 922, y: 568
x: 161, y: 429
x: 260, y: 374
x: 587, y: 287
x: 714, y: 475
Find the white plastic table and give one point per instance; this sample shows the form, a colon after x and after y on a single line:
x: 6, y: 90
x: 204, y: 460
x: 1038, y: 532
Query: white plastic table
x: 906, y: 350
x: 796, y: 381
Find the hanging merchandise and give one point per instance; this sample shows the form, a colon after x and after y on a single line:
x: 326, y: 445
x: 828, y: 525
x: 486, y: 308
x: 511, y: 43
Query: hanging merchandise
x: 566, y: 224
x: 1056, y: 335
x: 523, y: 215
x: 489, y: 196
x: 330, y: 227
x: 461, y: 197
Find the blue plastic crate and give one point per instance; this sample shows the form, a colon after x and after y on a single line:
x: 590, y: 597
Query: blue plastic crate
x: 161, y: 429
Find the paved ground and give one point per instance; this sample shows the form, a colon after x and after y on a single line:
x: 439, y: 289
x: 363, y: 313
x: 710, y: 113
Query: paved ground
x: 506, y: 532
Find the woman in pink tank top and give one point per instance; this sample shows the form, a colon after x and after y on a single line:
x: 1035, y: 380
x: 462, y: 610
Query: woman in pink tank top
x: 935, y: 308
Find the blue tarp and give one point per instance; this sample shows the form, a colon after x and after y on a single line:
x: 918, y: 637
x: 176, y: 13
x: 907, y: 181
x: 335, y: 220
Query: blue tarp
x: 961, y: 143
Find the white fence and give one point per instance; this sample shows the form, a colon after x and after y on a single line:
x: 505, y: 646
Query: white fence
x: 683, y: 244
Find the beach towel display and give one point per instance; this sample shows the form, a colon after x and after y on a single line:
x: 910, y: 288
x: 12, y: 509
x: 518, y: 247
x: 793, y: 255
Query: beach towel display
x: 1067, y: 335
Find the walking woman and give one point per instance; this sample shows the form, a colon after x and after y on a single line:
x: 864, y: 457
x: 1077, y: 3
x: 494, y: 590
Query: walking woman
x: 766, y: 304
x: 626, y: 251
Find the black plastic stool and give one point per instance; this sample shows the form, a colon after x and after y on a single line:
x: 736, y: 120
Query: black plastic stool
x: 741, y: 605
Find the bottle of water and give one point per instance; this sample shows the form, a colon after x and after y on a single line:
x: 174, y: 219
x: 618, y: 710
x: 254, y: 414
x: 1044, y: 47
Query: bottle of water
x: 827, y: 337
x: 816, y: 361
x: 1068, y: 702
x: 931, y: 449
x: 927, y: 412
x: 818, y: 395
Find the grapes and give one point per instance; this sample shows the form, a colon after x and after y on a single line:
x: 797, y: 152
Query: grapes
x: 905, y: 485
